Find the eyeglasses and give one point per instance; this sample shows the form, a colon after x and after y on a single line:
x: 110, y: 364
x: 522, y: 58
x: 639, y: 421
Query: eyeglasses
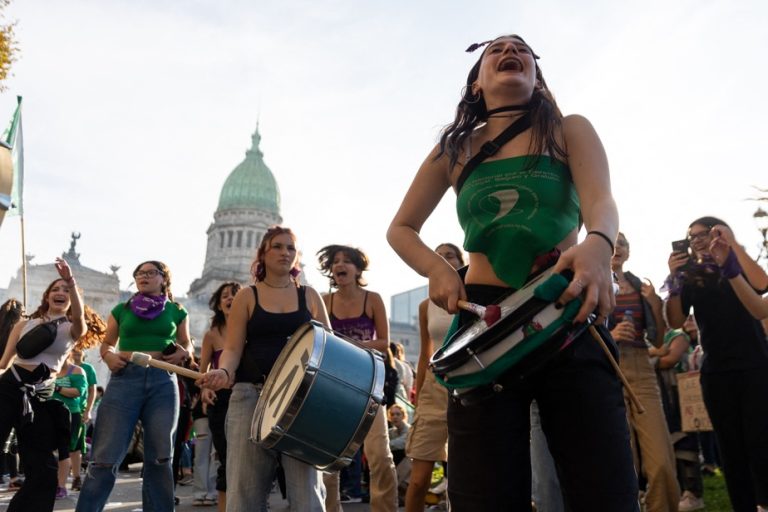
x: 701, y: 235
x: 148, y: 273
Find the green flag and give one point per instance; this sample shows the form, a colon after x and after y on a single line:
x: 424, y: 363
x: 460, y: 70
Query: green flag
x: 13, y: 137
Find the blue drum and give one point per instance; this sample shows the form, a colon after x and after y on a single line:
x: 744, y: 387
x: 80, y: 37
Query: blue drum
x: 320, y: 398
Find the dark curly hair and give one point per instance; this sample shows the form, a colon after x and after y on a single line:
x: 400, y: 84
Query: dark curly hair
x: 10, y: 313
x: 546, y: 118
x: 218, y: 319
x: 326, y: 255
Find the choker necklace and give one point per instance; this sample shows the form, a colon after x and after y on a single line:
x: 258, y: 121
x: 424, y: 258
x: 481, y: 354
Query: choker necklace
x: 273, y: 286
x: 508, y: 108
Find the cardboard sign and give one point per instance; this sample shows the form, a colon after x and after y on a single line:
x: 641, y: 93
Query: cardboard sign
x: 692, y: 411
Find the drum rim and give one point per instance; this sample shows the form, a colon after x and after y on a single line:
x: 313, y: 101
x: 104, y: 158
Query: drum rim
x: 441, y: 364
x: 288, y: 417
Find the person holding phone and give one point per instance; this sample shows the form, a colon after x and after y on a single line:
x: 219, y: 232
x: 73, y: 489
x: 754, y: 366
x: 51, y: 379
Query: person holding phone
x: 734, y: 370
x: 636, y: 321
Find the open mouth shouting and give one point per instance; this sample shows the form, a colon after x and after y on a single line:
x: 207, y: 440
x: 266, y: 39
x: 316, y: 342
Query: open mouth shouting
x: 510, y: 64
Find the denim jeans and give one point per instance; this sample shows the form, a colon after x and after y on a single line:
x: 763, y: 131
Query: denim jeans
x: 134, y: 393
x: 205, y: 463
x: 251, y: 468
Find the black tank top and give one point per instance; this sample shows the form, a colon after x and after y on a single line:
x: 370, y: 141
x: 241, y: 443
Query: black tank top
x: 266, y: 335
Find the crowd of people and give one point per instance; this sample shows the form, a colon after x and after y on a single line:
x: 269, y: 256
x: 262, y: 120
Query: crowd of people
x: 565, y: 434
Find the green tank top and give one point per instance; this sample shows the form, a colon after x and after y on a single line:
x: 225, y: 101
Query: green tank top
x: 513, y: 211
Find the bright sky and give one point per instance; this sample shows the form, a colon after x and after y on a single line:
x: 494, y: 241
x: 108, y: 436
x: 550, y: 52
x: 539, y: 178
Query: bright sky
x: 136, y: 111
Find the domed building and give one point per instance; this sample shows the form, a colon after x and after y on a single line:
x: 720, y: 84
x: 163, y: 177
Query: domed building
x: 249, y: 203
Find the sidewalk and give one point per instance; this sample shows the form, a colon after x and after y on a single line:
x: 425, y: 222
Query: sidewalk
x: 126, y: 497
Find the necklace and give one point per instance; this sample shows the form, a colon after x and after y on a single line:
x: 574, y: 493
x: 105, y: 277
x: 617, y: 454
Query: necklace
x: 273, y: 286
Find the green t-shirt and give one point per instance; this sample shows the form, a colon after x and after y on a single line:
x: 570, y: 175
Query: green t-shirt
x: 74, y: 404
x: 513, y: 210
x: 682, y: 364
x: 90, y: 377
x: 140, y: 335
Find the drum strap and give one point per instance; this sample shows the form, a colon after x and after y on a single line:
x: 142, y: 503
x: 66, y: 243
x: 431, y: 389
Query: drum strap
x: 492, y: 147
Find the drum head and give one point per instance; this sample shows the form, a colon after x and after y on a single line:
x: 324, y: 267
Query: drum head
x: 287, y: 378
x: 474, y: 331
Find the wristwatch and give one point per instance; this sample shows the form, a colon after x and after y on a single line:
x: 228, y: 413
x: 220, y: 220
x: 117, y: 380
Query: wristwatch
x: 57, y: 388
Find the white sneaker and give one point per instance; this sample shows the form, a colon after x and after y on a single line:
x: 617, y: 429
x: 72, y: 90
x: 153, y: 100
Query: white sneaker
x: 690, y: 502
x: 440, y: 487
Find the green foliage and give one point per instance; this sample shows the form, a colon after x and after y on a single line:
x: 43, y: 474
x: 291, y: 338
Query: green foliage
x: 8, y: 49
x: 715, y: 494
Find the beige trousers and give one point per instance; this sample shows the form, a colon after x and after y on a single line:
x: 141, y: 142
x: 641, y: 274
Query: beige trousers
x: 383, y: 488
x: 649, y: 432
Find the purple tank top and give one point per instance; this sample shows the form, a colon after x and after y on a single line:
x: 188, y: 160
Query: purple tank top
x: 215, y: 358
x: 360, y: 328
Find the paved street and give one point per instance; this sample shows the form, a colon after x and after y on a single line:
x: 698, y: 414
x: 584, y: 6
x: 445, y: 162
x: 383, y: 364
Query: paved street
x: 126, y: 497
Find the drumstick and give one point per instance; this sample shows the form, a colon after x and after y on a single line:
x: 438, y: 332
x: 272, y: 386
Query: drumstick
x: 490, y: 313
x: 145, y: 360
x: 630, y: 391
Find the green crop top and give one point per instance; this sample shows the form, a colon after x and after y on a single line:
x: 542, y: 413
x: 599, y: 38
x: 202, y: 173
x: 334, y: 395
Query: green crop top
x: 140, y: 335
x: 512, y: 212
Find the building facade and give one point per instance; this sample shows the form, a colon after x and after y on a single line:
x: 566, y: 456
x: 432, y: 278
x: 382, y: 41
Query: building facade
x: 249, y: 203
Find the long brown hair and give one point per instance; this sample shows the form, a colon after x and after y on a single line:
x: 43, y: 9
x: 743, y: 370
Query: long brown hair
x: 42, y: 309
x: 95, y: 330
x: 258, y: 270
x: 546, y: 118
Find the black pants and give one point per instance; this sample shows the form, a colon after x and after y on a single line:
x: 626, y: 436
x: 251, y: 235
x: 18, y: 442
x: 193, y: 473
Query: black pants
x: 217, y: 414
x: 736, y: 403
x: 37, y: 441
x: 583, y: 417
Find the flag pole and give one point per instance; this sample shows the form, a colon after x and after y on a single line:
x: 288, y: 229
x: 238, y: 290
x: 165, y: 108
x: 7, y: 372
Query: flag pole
x: 23, y: 263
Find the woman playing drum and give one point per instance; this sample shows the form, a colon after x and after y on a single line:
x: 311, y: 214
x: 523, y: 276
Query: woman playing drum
x: 519, y: 209
x: 262, y: 318
x: 360, y: 314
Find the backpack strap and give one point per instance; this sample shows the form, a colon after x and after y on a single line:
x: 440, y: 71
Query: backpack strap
x: 492, y: 147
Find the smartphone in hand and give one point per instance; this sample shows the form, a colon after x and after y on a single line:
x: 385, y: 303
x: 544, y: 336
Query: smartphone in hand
x: 681, y: 245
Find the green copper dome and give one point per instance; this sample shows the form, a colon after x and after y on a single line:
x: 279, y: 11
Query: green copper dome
x: 251, y: 185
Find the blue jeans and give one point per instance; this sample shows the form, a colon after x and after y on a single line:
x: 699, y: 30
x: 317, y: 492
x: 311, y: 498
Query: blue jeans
x: 134, y: 393
x: 251, y: 468
x: 205, y: 464
x: 545, y: 485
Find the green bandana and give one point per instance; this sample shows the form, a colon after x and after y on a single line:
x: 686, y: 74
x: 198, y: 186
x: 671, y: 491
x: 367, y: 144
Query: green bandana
x: 513, y: 211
